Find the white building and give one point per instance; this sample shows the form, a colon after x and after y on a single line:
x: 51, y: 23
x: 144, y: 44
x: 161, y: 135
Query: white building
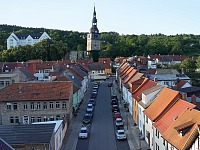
x: 25, y: 39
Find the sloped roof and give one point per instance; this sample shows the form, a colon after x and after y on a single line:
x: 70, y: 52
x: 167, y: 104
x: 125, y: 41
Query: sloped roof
x: 188, y: 121
x: 162, y: 102
x: 190, y: 89
x: 28, y: 75
x: 33, y: 35
x: 25, y: 91
x: 146, y: 84
x: 181, y: 83
x: 95, y: 66
x: 27, y: 134
x: 127, y: 72
x: 4, y: 145
x: 124, y: 70
x: 106, y: 62
x: 132, y: 76
x: 152, y: 89
x: 63, y: 78
x: 171, y: 115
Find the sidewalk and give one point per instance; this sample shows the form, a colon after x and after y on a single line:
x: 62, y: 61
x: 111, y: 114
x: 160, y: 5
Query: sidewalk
x: 131, y: 130
x: 71, y: 137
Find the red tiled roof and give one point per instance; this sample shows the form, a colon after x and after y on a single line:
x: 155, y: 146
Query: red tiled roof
x: 106, y: 62
x: 75, y: 73
x: 63, y: 78
x: 36, y: 91
x: 172, y: 114
x: 146, y: 84
x: 188, y: 120
x: 135, y: 84
x: 162, y: 102
x: 129, y: 76
x: 181, y: 83
x: 127, y: 72
x: 124, y: 71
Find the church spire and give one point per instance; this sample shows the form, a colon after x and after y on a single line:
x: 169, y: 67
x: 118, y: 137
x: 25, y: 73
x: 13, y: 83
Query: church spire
x: 94, y: 28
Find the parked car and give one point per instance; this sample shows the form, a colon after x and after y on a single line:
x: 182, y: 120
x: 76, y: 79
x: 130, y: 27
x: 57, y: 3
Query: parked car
x: 87, y: 119
x: 114, y: 102
x: 92, y: 101
x: 115, y: 108
x: 95, y: 87
x: 83, y: 134
x: 120, y: 134
x: 114, y: 97
x: 117, y: 115
x: 95, y: 91
x: 90, y: 107
x: 90, y: 113
x: 93, y: 95
x: 110, y: 84
x: 119, y: 122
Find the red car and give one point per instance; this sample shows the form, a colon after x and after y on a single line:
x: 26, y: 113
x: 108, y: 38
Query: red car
x: 117, y: 115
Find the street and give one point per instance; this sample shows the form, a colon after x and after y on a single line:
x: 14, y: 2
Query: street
x: 102, y: 129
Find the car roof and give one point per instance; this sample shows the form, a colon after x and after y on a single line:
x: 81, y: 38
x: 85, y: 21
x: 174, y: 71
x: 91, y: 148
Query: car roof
x: 83, y: 128
x: 89, y: 104
x: 119, y: 119
x: 121, y: 130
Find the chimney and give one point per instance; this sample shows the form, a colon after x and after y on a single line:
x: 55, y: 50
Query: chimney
x: 184, y: 96
x: 155, y: 79
x: 193, y: 99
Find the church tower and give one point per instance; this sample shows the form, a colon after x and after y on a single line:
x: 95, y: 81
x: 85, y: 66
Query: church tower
x: 93, y: 37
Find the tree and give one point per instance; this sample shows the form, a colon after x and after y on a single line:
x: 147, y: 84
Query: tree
x: 188, y: 65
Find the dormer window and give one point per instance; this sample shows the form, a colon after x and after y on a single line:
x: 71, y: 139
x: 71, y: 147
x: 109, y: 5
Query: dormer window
x: 184, y: 128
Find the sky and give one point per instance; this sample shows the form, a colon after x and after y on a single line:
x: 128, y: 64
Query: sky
x: 169, y: 17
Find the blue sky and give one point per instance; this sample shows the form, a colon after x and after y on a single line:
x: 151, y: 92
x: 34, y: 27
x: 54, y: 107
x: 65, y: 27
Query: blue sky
x: 168, y: 17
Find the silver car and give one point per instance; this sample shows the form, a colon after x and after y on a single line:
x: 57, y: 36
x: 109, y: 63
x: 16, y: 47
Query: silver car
x: 83, y: 134
x: 120, y: 134
x: 119, y: 122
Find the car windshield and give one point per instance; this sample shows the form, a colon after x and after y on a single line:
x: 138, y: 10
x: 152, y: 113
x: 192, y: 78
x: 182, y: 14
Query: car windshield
x: 118, y: 121
x: 87, y: 117
x: 89, y: 106
x: 120, y: 132
x: 83, y: 131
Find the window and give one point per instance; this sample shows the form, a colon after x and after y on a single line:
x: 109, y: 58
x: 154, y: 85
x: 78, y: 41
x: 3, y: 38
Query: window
x: 57, y: 104
x: 47, y: 71
x: 32, y: 105
x: 64, y: 105
x: 39, y: 119
x: 52, y: 118
x: 157, y: 133
x: 1, y: 83
x: 16, y: 119
x: 57, y: 117
x: 51, y: 105
x: 25, y: 106
x: 163, y: 141
x: 25, y: 119
x: 146, y: 119
x: 15, y: 106
x: 7, y: 83
x: 38, y: 105
x: 8, y: 106
x: 45, y: 119
x: 32, y: 119
x: 11, y: 119
x: 45, y: 105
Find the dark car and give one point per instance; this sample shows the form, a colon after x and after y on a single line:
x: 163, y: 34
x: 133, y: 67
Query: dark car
x: 115, y: 108
x: 91, y: 113
x: 92, y: 101
x: 110, y: 84
x: 87, y: 119
x: 114, y: 102
x: 93, y: 95
x: 114, y: 97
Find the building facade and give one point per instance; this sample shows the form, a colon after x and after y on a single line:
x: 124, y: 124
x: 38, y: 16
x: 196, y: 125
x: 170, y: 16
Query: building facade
x: 25, y: 103
x: 93, y: 37
x: 25, y: 39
